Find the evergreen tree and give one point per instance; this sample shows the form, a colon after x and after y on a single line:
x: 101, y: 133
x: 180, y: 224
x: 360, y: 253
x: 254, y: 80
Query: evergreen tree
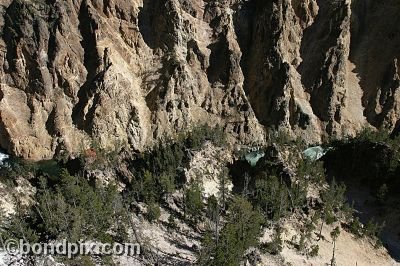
x: 271, y: 195
x: 213, y: 213
x: 72, y: 210
x: 334, y: 234
x: 153, y: 211
x: 334, y: 201
x: 193, y: 200
x: 223, y: 188
x: 241, y: 231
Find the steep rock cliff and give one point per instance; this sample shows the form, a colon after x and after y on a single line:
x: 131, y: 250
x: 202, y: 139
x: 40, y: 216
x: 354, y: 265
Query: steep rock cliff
x: 125, y: 73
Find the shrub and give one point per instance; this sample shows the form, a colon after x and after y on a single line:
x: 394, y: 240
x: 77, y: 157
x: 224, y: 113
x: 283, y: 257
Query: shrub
x: 153, y: 212
x: 193, y: 200
x: 160, y: 171
x: 314, y: 249
x: 334, y: 201
x: 200, y: 134
x: 311, y: 171
x: 276, y: 245
x: 71, y: 209
x: 157, y: 172
x: 373, y: 229
x: 368, y: 134
x: 356, y: 227
x: 171, y: 222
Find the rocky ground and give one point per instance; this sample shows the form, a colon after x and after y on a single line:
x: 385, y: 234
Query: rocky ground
x: 179, y: 245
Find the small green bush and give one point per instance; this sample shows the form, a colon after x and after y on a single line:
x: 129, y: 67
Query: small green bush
x: 356, y: 227
x: 200, y: 134
x: 314, y: 250
x: 276, y: 245
x: 171, y: 222
x: 153, y: 212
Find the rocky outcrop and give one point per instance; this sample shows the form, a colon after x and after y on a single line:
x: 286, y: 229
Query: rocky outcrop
x: 121, y: 73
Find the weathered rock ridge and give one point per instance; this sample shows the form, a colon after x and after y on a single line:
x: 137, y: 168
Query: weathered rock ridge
x: 127, y: 72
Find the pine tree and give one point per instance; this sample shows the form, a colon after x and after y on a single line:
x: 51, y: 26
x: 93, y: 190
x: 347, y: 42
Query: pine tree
x: 153, y: 211
x: 213, y: 213
x: 193, y: 200
x: 223, y: 188
x: 240, y: 232
x: 246, y: 180
x: 334, y: 202
x: 334, y: 234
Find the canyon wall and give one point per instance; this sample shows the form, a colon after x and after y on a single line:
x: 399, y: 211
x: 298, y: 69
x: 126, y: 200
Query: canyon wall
x: 124, y: 73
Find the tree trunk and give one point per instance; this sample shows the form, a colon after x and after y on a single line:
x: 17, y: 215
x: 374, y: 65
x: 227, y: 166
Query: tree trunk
x: 320, y: 231
x: 333, y: 254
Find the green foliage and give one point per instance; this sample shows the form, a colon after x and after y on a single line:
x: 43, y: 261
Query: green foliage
x: 171, y: 222
x: 153, y: 212
x: 193, y: 200
x: 368, y: 134
x: 271, y: 195
x: 279, y: 138
x: 16, y: 167
x: 164, y: 158
x: 302, y: 242
x: 73, y: 210
x: 98, y: 157
x: 223, y: 190
x: 311, y: 171
x: 356, y: 227
x: 334, y: 200
x: 306, y: 234
x: 335, y: 233
x: 373, y: 229
x: 382, y: 136
x: 160, y: 171
x: 167, y: 184
x: 148, y: 188
x: 283, y: 138
x: 18, y: 226
x: 276, y: 245
x: 200, y: 134
x: 207, y: 252
x: 212, y: 208
x: 157, y: 172
x: 313, y: 252
x: 241, y: 231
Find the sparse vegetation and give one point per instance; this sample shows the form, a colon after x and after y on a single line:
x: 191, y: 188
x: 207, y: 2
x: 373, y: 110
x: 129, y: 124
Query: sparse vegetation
x: 314, y: 249
x: 193, y: 200
x: 160, y: 171
x: 240, y: 232
x: 200, y: 134
x: 334, y: 235
x: 70, y: 207
x: 271, y: 196
x: 276, y: 245
x: 153, y: 211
